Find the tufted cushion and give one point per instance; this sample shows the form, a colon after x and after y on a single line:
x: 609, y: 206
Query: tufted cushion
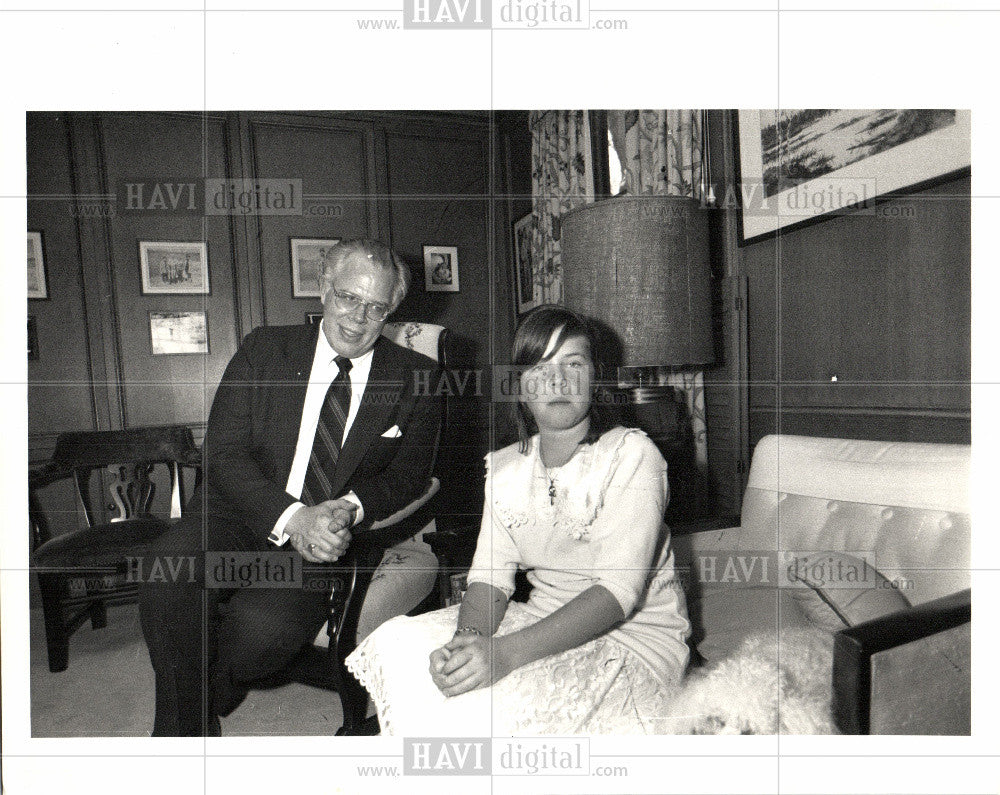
x: 903, y: 507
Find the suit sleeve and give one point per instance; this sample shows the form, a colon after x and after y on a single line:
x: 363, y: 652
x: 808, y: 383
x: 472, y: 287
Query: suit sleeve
x: 406, y: 476
x: 230, y: 465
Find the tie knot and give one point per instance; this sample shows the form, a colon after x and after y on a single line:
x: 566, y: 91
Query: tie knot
x: 343, y: 363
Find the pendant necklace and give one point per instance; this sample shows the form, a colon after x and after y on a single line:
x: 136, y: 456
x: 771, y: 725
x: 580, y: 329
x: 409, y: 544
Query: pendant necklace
x: 552, y: 478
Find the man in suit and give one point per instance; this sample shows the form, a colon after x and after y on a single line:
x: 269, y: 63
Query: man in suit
x: 316, y: 431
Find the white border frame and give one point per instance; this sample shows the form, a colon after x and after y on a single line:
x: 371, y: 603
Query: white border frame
x: 296, y: 243
x: 920, y: 160
x: 429, y: 285
x: 35, y: 240
x: 199, y: 247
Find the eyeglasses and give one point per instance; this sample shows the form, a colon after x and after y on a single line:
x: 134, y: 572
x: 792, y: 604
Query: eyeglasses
x: 349, y: 302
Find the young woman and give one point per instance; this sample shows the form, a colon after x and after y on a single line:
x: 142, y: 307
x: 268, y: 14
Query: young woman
x: 599, y: 646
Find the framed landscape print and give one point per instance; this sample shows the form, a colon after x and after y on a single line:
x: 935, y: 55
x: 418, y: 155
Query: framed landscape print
x: 38, y: 284
x: 797, y: 166
x: 527, y: 294
x: 441, y: 269
x: 174, y: 267
x: 308, y: 257
x: 178, y: 332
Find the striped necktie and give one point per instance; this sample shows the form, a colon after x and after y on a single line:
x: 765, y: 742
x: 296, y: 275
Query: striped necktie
x: 318, y: 485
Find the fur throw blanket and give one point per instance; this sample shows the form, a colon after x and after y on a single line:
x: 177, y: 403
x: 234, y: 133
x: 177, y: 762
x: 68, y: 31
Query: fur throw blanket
x: 774, y: 684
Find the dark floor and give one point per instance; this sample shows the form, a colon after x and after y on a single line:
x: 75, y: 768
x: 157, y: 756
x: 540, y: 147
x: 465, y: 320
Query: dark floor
x: 107, y: 691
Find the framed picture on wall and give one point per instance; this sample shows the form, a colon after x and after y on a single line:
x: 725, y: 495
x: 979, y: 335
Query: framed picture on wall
x: 172, y: 333
x: 308, y: 257
x: 441, y: 269
x: 38, y: 284
x: 174, y: 267
x: 526, y: 290
x: 802, y: 165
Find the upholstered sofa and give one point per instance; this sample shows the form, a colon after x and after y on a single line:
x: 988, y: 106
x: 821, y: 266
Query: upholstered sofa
x: 869, y: 541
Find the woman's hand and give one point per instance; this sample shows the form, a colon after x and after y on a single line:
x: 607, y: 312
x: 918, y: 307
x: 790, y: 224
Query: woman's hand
x: 468, y: 662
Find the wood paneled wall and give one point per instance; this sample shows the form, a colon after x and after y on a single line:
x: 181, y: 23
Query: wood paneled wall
x: 860, y: 325
x: 408, y: 179
x: 880, y: 301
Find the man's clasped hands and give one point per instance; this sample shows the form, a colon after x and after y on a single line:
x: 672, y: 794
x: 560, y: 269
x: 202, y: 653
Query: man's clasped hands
x: 321, y: 533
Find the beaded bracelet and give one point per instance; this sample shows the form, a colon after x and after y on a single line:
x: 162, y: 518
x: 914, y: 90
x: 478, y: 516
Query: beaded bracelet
x: 473, y: 630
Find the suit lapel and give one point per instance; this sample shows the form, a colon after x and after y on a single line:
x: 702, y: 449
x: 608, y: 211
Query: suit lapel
x: 291, y: 381
x: 386, y: 381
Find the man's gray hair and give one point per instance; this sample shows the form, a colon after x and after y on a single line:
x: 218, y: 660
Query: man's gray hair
x: 379, y: 255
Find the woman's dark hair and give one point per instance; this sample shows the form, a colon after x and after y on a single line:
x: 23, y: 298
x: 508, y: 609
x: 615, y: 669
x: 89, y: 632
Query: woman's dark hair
x: 530, y: 342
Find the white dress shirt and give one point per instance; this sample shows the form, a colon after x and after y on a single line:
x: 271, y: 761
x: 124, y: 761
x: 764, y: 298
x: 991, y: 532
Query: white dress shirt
x: 324, y: 370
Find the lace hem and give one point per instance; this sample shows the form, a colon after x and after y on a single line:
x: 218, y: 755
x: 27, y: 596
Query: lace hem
x: 368, y: 671
x: 599, y: 688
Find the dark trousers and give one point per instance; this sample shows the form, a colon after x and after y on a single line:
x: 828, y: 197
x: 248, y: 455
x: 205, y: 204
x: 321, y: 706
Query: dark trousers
x: 207, y: 642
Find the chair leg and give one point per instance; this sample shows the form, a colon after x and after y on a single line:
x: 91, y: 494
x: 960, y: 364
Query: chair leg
x: 53, y: 587
x: 353, y: 697
x: 98, y: 612
x: 354, y: 701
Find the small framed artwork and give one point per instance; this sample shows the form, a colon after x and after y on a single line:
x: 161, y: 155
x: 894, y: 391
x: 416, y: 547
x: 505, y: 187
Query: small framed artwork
x: 441, y: 269
x: 174, y: 267
x: 309, y: 257
x: 527, y: 292
x: 32, y: 339
x: 313, y: 317
x: 38, y: 284
x: 178, y: 332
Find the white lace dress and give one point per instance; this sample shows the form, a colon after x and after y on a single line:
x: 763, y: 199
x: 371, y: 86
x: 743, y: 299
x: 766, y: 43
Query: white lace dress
x: 603, y: 527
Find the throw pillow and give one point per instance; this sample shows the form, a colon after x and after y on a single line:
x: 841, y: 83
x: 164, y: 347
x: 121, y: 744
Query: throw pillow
x: 836, y: 590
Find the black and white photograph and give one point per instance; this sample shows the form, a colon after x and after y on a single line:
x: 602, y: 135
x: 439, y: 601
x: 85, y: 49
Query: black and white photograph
x: 523, y: 272
x: 38, y: 286
x: 809, y: 163
x: 170, y: 267
x: 178, y: 332
x: 441, y: 269
x: 308, y: 260
x: 588, y: 423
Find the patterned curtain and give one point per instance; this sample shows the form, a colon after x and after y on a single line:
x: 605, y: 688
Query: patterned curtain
x: 562, y: 177
x: 661, y: 153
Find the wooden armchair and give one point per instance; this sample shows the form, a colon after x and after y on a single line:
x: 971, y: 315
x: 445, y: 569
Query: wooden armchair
x: 81, y: 572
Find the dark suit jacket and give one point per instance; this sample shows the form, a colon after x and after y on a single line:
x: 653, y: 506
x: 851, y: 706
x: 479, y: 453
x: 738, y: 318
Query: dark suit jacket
x: 254, y: 426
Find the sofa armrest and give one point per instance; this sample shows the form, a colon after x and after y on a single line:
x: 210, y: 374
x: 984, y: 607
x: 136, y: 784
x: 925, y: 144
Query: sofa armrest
x: 876, y: 664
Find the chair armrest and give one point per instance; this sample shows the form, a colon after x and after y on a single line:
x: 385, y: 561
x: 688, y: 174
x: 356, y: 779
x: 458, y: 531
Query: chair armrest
x: 454, y: 548
x: 384, y: 533
x: 407, y: 511
x: 855, y: 646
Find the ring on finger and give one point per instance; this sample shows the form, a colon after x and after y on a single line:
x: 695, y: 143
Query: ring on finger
x: 312, y: 548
